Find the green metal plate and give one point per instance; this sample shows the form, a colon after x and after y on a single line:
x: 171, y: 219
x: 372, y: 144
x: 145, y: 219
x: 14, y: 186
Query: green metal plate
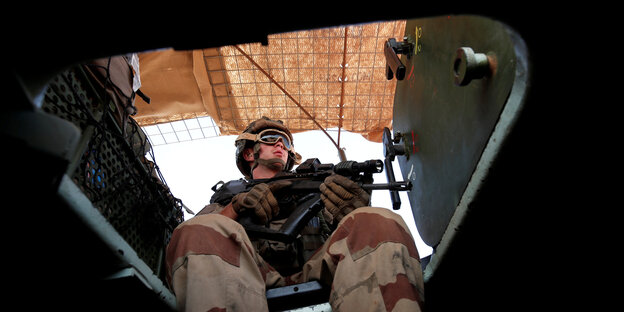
x: 446, y: 127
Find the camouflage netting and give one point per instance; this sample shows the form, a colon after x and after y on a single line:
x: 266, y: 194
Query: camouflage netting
x: 335, y: 74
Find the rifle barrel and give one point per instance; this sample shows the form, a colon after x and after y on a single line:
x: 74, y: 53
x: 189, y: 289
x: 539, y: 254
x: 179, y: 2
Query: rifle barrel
x: 393, y: 186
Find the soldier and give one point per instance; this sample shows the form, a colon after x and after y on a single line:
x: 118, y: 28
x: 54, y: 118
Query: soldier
x: 369, y: 259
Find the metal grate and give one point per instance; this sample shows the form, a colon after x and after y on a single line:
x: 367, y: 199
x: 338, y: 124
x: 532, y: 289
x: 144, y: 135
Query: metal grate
x: 182, y: 130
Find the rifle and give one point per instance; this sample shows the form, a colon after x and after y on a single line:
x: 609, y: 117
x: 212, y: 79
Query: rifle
x: 306, y: 180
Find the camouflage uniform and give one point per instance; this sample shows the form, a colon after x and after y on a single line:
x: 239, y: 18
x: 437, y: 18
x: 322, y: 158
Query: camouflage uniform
x: 370, y: 261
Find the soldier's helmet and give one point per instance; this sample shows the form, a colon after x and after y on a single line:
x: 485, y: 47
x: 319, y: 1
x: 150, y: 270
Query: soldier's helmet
x: 265, y: 130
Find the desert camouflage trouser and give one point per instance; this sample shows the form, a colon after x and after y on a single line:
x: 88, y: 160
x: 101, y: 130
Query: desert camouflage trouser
x: 370, y: 261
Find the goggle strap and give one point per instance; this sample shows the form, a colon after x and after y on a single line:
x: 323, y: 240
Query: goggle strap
x: 247, y: 136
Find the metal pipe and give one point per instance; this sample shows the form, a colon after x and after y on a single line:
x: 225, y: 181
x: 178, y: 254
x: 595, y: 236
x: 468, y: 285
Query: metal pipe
x: 342, y: 86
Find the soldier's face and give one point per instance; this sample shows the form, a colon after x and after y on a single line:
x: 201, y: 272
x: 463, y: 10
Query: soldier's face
x: 277, y: 150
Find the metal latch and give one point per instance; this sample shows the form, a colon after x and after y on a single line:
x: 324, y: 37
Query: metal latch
x: 394, y: 66
x: 391, y: 150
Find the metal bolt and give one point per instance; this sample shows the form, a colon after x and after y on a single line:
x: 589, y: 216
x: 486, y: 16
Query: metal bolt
x: 469, y: 65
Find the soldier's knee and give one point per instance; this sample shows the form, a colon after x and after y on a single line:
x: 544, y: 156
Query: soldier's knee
x: 207, y: 235
x: 371, y: 226
x: 376, y: 212
x: 215, y: 220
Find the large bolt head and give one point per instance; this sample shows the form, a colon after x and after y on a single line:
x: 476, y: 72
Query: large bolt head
x: 468, y: 65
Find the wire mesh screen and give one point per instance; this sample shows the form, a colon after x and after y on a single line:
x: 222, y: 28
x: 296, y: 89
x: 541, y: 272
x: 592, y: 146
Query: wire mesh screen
x: 332, y: 76
x: 335, y: 74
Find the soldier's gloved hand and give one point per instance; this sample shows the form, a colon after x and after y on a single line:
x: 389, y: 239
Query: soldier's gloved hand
x: 260, y: 200
x: 341, y: 196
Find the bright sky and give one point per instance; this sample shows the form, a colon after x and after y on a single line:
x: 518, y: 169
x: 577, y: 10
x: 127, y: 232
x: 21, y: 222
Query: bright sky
x: 191, y: 168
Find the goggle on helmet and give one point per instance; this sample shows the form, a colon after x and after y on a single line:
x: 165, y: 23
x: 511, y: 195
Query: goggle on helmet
x: 269, y: 136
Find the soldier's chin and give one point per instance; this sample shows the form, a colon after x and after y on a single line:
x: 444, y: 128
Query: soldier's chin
x: 276, y: 164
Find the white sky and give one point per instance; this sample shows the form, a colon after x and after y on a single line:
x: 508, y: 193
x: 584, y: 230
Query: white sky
x: 191, y: 168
